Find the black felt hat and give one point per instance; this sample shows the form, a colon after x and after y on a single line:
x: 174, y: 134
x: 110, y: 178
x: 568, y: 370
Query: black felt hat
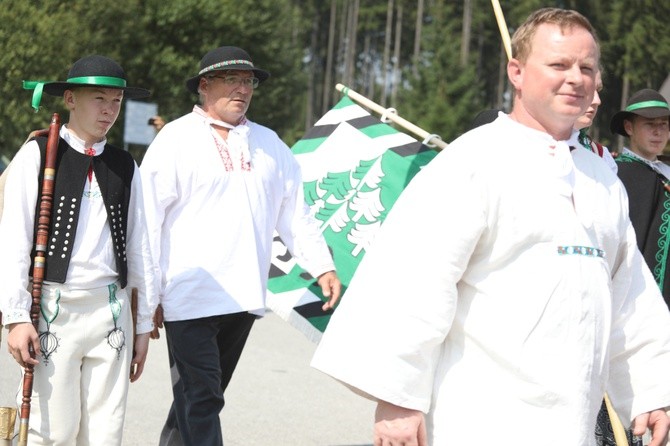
x: 96, y: 71
x: 225, y: 58
x: 647, y: 102
x: 89, y: 71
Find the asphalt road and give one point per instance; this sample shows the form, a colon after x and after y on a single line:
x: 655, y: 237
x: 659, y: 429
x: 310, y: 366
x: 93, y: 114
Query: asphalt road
x: 274, y: 398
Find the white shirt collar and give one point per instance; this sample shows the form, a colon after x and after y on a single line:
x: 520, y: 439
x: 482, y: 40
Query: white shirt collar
x: 572, y: 141
x: 211, y: 121
x: 78, y: 144
x: 561, y: 162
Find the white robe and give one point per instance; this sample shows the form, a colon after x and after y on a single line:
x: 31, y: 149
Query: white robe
x: 474, y: 306
x: 212, y: 230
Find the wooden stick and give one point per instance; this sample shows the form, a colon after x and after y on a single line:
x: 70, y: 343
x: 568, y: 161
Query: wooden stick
x: 502, y: 26
x: 3, y: 178
x: 133, y: 313
x: 428, y: 139
x: 41, y: 241
x: 619, y: 432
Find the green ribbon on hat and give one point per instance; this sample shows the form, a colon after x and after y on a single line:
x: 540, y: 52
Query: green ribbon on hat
x: 38, y: 86
x: 647, y: 104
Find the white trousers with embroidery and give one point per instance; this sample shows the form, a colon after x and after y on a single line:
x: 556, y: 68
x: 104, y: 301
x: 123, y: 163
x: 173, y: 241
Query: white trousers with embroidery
x: 80, y: 386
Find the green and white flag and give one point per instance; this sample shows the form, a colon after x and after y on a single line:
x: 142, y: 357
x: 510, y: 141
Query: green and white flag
x: 354, y: 167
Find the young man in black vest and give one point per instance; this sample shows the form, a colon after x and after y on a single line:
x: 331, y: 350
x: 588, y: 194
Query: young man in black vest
x: 645, y: 122
x: 97, y: 250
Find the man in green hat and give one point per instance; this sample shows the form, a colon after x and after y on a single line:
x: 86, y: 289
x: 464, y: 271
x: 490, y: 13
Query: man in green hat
x: 645, y: 122
x: 98, y: 247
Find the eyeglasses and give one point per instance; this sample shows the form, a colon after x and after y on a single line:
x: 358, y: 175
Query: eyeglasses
x: 237, y: 80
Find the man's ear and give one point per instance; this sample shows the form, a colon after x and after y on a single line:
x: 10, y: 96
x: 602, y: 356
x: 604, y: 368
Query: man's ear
x: 628, y: 127
x: 515, y: 73
x: 68, y: 98
x: 202, y: 84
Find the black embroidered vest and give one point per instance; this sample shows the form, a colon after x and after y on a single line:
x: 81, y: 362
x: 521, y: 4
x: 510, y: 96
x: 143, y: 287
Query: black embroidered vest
x: 114, y: 170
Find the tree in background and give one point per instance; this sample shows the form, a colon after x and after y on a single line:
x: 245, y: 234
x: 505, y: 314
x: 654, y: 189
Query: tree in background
x: 637, y: 51
x: 438, y: 62
x: 159, y: 43
x: 442, y: 75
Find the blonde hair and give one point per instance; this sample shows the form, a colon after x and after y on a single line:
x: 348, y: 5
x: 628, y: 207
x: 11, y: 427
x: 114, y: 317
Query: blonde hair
x: 563, y: 18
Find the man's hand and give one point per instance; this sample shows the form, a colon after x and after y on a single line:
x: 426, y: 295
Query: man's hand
x: 399, y: 426
x: 657, y: 421
x: 331, y: 287
x: 20, y: 337
x: 140, y: 349
x: 158, y: 322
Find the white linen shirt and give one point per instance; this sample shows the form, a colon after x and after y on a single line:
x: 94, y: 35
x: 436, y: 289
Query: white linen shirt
x: 212, y: 229
x: 505, y: 290
x: 92, y: 263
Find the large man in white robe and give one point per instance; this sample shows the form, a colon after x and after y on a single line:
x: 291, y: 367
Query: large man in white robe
x: 505, y: 294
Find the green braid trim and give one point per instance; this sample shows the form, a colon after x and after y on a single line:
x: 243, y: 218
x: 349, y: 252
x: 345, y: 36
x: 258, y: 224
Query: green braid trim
x: 626, y: 158
x: 663, y: 245
x: 661, y: 256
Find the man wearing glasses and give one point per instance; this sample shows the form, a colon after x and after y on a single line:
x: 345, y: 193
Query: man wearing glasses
x: 218, y: 186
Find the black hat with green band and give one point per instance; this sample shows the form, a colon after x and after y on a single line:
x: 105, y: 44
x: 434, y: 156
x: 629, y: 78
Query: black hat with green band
x: 647, y: 102
x: 89, y: 71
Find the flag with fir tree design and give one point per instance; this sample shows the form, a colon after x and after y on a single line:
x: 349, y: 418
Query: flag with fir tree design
x: 354, y: 166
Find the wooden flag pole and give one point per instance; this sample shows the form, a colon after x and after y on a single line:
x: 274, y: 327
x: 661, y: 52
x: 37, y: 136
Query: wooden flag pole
x: 502, y: 26
x: 620, y: 437
x: 430, y: 140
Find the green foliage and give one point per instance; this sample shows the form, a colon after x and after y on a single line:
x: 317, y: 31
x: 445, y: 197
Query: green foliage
x: 455, y: 89
x: 160, y: 43
x: 636, y: 46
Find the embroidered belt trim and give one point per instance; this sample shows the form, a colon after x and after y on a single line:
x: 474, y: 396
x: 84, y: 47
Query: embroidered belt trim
x: 588, y: 251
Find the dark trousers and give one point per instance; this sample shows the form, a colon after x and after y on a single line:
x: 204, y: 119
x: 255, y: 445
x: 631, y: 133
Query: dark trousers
x: 605, y: 432
x: 203, y: 355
